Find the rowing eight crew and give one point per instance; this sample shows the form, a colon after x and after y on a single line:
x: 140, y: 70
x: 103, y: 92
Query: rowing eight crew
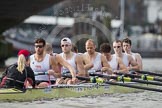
x: 44, y: 60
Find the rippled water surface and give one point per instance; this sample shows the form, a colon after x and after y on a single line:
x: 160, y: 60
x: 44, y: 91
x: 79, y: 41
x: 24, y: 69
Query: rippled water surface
x: 144, y: 99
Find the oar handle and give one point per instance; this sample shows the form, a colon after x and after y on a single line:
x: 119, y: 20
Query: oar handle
x: 93, y: 71
x: 134, y: 86
x: 40, y: 73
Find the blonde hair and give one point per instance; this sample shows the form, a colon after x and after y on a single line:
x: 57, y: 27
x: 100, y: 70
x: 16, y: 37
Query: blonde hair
x: 21, y: 63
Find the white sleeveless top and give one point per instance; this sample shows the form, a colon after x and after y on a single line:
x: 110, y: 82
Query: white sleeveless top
x: 113, y: 63
x: 42, y: 66
x: 71, y: 61
x: 97, y: 65
x: 125, y: 59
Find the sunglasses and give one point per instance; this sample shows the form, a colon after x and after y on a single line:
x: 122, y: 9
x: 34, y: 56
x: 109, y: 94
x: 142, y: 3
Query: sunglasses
x: 39, y: 46
x: 66, y: 45
x: 116, y: 46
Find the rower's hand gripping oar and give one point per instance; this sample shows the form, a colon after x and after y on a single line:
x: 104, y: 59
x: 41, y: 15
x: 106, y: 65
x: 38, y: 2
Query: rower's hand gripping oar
x: 40, y: 73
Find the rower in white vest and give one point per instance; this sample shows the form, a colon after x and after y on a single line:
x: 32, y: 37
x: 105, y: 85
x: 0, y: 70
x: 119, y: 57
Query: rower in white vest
x: 127, y: 45
x: 43, y: 62
x: 115, y: 62
x: 95, y: 60
x: 127, y: 59
x: 72, y: 58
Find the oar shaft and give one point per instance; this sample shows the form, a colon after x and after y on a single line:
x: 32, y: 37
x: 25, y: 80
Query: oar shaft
x: 143, y: 77
x: 157, y: 79
x: 40, y: 73
x: 133, y: 86
x: 150, y: 73
x: 126, y: 79
x: 146, y: 82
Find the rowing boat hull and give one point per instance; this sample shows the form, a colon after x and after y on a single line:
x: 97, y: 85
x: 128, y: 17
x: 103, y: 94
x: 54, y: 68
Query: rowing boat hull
x: 64, y: 92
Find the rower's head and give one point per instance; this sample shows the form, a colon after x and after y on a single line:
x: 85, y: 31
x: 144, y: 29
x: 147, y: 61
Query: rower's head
x: 39, y: 46
x: 126, y: 43
x: 105, y: 49
x: 117, y: 46
x: 74, y: 48
x: 49, y: 49
x: 66, y: 45
x: 90, y: 46
x: 23, y: 57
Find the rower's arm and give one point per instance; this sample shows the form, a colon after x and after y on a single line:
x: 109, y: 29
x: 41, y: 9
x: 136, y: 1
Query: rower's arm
x: 122, y: 67
x: 133, y: 63
x: 66, y: 64
x: 139, y: 61
x: 105, y: 65
x: 80, y: 66
x: 55, y: 68
x: 87, y: 64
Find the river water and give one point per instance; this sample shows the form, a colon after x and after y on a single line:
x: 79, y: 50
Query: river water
x: 144, y: 99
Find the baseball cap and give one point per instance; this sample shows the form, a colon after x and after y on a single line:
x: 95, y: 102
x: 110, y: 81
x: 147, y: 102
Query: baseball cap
x: 66, y: 39
x: 26, y: 53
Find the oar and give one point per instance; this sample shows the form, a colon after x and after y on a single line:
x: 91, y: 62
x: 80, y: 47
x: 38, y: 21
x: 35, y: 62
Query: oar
x: 100, y: 80
x: 150, y: 73
x: 143, y: 77
x: 126, y: 79
x: 40, y: 73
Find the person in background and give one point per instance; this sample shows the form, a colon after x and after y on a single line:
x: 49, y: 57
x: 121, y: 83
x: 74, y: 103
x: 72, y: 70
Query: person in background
x: 94, y: 60
x: 127, y: 45
x: 49, y: 49
x: 74, y: 48
x: 115, y: 62
x: 19, y: 75
x: 127, y: 59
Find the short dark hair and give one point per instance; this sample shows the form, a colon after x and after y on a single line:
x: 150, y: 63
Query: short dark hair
x: 74, y: 48
x: 127, y: 40
x: 40, y: 40
x: 105, y: 48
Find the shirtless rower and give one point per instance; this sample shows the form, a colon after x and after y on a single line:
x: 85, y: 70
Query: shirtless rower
x: 127, y: 59
x: 115, y: 62
x: 127, y: 49
x: 94, y: 60
x: 43, y: 62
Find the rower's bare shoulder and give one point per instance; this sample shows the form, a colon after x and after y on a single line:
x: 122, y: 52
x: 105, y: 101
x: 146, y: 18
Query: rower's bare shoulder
x: 84, y: 55
x: 138, y: 55
x: 130, y: 58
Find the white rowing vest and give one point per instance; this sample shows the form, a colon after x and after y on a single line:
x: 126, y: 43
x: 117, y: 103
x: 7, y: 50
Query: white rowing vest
x: 71, y: 61
x: 124, y: 59
x: 42, y: 66
x: 113, y: 63
x: 97, y: 65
